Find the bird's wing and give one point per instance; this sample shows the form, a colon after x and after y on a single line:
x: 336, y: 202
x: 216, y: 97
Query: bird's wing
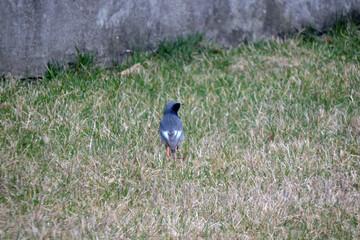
x: 172, y: 138
x: 171, y: 131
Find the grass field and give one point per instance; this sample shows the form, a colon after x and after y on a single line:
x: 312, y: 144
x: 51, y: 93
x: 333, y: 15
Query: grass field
x: 272, y: 147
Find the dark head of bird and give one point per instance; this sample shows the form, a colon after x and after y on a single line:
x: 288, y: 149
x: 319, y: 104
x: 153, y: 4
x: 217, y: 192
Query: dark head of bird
x: 172, y: 107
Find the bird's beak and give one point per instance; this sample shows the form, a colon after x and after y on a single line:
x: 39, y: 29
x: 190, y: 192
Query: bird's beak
x: 181, y: 104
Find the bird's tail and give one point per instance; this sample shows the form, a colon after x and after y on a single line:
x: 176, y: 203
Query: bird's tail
x: 170, y: 151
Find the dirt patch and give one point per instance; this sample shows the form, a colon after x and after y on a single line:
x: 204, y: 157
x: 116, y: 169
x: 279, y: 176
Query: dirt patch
x: 355, y: 125
x: 265, y: 62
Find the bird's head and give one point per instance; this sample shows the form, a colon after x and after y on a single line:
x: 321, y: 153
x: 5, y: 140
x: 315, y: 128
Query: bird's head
x: 172, y: 107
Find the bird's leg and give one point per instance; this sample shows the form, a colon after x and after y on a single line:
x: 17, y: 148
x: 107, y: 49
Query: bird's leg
x: 168, y: 151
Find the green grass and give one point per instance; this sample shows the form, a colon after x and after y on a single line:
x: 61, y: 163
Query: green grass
x: 271, y: 150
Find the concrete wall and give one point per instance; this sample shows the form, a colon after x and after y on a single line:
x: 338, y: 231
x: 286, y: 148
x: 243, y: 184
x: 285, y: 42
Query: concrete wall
x: 34, y: 32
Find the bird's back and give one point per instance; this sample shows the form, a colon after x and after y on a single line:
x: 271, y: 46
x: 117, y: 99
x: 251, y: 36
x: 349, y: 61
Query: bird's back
x: 171, y: 130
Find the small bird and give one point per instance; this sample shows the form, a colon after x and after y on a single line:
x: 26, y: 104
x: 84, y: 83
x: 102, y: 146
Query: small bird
x: 171, y: 128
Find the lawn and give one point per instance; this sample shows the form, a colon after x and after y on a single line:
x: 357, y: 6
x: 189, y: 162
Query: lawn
x: 271, y: 150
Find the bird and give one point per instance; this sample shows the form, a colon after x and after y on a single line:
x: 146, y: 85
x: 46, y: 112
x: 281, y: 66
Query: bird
x: 171, y: 128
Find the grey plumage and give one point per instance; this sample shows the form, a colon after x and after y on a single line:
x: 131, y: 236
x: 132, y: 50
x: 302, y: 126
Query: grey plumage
x: 171, y: 128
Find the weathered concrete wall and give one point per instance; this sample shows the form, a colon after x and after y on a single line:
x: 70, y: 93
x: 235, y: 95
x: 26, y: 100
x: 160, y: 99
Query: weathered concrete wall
x: 35, y: 32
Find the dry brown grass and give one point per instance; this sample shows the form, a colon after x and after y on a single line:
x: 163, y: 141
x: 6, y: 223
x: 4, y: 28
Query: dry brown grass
x: 272, y: 149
